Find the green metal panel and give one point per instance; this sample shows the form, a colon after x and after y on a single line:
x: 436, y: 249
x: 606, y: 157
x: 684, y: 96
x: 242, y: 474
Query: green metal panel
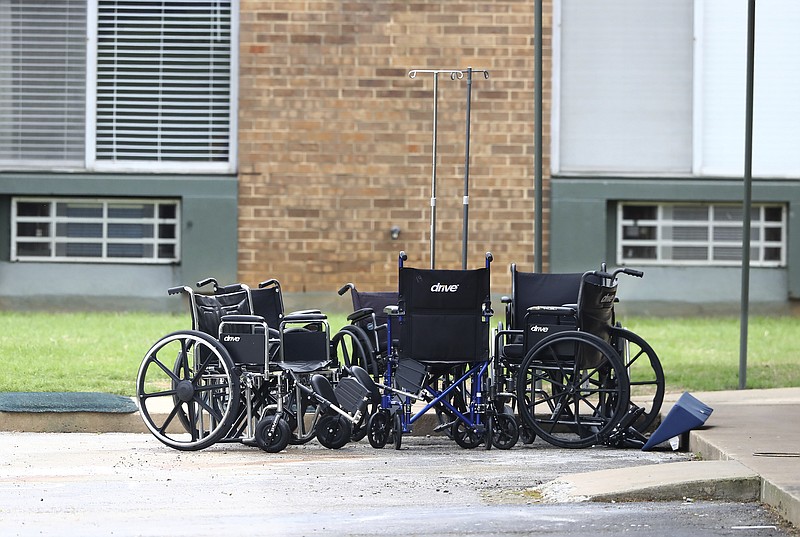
x: 209, y: 235
x: 582, y: 218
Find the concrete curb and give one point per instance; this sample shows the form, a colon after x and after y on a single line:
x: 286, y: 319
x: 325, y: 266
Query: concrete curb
x: 708, y: 480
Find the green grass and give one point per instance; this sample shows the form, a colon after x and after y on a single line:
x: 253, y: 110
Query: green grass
x: 102, y: 352
x: 702, y: 354
x: 75, y: 352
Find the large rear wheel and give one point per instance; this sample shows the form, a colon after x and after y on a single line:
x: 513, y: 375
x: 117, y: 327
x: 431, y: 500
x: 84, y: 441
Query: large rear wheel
x: 572, y: 389
x: 187, y: 391
x: 645, y: 374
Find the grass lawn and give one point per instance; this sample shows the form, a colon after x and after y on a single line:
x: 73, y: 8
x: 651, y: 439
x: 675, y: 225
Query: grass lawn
x: 102, y: 351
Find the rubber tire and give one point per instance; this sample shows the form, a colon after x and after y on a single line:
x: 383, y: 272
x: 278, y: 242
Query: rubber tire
x: 207, y: 392
x: 333, y: 431
x: 562, y: 384
x: 505, y: 431
x: 397, y: 431
x: 465, y: 436
x: 640, y: 355
x: 280, y: 436
x: 378, y: 429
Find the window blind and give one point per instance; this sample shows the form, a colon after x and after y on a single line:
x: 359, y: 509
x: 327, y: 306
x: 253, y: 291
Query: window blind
x: 42, y: 82
x: 163, y: 81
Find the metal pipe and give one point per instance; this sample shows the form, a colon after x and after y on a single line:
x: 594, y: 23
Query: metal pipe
x: 748, y: 193
x: 433, y: 168
x: 465, y: 223
x: 537, y: 141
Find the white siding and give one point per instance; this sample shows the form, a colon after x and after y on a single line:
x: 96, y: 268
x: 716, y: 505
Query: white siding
x: 624, y: 92
x: 721, y: 49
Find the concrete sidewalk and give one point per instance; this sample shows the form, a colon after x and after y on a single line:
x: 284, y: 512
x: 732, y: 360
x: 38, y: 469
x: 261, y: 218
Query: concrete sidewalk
x: 749, y: 450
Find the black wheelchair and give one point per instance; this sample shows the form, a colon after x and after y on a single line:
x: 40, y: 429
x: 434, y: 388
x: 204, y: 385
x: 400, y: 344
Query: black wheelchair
x: 569, y: 367
x: 363, y: 342
x: 234, y: 377
x: 440, y: 359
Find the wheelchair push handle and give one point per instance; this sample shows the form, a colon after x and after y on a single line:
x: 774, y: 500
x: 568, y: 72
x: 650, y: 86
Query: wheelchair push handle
x: 611, y: 276
x: 632, y: 272
x: 179, y: 289
x: 346, y: 287
x: 206, y: 281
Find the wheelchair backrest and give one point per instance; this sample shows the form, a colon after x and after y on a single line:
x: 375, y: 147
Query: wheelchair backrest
x: 444, y: 315
x: 540, y: 289
x: 268, y: 303
x: 376, y: 301
x: 209, y: 309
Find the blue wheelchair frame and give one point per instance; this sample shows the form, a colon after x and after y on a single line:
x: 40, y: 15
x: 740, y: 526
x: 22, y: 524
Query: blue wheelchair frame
x: 471, y: 426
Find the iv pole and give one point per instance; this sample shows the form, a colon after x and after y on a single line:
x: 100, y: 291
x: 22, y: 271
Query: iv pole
x: 465, y: 232
x: 455, y: 74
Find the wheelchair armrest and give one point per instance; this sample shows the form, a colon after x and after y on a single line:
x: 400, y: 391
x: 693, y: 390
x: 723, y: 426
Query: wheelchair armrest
x: 552, y: 310
x: 306, y: 312
x: 304, y: 316
x: 243, y: 319
x: 358, y: 315
x: 232, y: 288
x: 392, y: 310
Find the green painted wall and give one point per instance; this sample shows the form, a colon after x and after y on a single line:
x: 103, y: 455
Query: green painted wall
x: 583, y: 224
x: 209, y: 235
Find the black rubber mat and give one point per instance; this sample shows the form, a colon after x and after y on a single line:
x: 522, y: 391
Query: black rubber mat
x: 65, y: 402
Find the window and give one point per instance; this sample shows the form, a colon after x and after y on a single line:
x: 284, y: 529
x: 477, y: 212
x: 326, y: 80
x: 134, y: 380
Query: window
x: 118, y: 85
x: 92, y: 230
x: 622, y: 86
x: 42, y: 82
x: 658, y: 87
x: 699, y: 234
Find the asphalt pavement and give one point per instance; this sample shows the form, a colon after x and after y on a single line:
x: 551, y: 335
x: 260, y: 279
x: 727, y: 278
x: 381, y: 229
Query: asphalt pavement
x: 747, y: 451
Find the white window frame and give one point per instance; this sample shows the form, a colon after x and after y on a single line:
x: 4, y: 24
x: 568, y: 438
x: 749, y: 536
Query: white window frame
x: 150, y: 165
x: 664, y: 225
x: 52, y: 220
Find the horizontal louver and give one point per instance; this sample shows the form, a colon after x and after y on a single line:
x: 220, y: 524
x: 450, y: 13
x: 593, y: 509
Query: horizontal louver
x: 42, y: 83
x: 699, y: 234
x: 95, y: 230
x: 163, y: 81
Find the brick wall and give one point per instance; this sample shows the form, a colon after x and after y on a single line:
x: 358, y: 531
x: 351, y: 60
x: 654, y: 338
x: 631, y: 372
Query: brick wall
x: 335, y: 139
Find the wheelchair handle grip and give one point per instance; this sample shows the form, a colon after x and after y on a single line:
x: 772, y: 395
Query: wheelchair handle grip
x: 345, y: 287
x: 206, y: 281
x: 266, y: 283
x: 633, y: 272
x: 176, y: 290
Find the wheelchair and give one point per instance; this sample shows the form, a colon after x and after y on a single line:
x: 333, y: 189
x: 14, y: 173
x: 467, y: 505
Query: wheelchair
x: 235, y: 378
x: 363, y: 342
x: 440, y: 359
x: 570, y: 366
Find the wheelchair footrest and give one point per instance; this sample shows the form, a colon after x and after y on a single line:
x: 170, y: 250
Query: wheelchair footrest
x: 409, y: 375
x: 351, y: 395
